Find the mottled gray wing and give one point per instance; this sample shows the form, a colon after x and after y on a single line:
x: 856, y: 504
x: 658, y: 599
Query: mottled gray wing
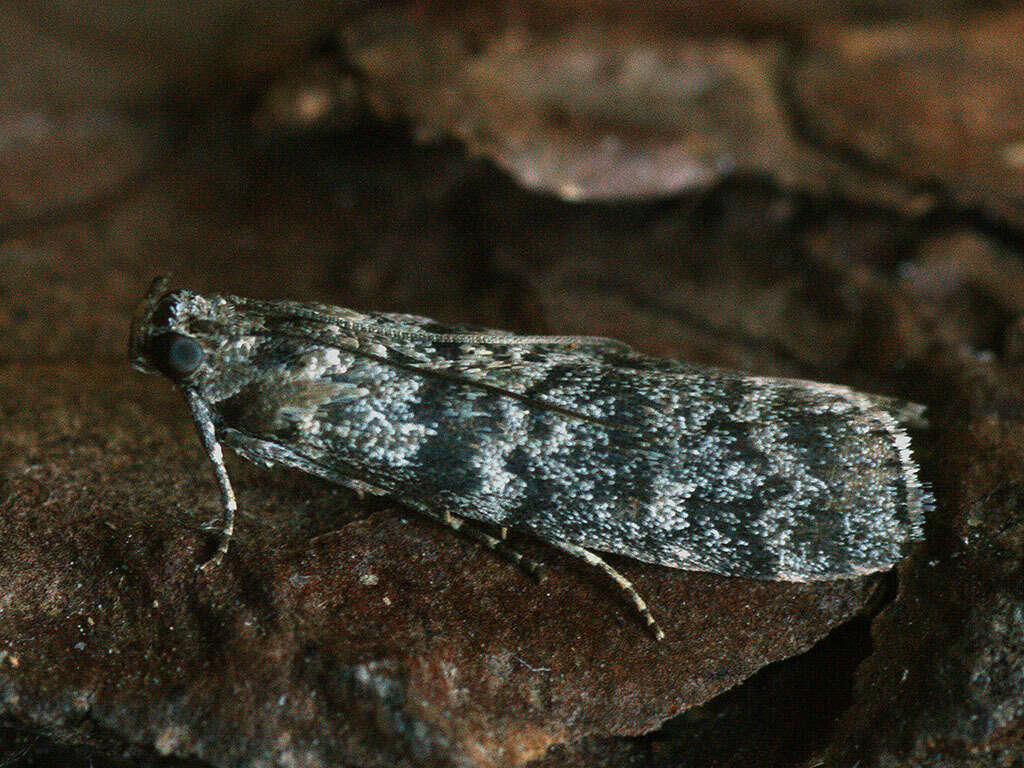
x: 587, y: 441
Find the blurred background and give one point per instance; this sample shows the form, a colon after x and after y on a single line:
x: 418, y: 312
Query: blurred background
x: 829, y: 190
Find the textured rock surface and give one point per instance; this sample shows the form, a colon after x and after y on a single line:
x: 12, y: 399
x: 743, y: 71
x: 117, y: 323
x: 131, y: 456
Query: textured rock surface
x: 65, y: 135
x: 596, y: 108
x: 612, y: 105
x: 589, y: 112
x: 348, y: 631
x: 934, y: 104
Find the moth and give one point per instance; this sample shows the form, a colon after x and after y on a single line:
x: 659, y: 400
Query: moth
x: 582, y: 442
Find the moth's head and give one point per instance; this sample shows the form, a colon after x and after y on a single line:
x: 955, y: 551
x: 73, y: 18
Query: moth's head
x: 160, y: 342
x: 190, y: 339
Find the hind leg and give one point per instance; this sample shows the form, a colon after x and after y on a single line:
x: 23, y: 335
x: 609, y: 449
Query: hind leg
x: 499, y: 546
x: 623, y: 583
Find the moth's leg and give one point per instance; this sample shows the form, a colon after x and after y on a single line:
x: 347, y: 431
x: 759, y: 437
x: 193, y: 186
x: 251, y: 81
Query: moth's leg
x: 495, y: 545
x: 624, y: 584
x: 208, y: 435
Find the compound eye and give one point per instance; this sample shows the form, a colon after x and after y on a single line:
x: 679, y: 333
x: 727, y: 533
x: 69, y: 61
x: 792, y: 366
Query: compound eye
x: 179, y: 355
